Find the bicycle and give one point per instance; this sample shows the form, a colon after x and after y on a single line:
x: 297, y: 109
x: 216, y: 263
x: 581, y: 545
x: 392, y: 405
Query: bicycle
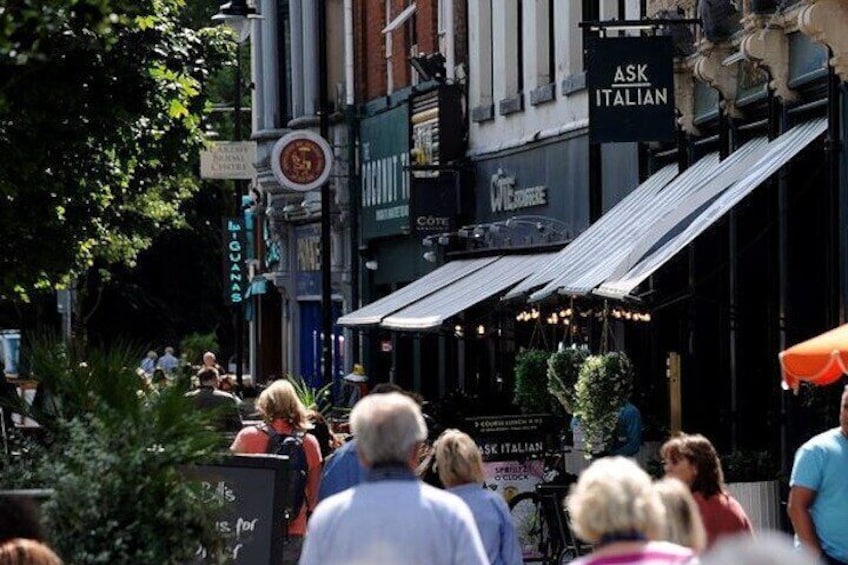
x: 542, y: 522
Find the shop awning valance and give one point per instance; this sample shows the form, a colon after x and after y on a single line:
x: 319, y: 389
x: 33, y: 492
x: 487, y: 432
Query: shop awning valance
x: 664, y: 241
x: 820, y: 360
x: 373, y: 313
x: 612, y: 226
x: 450, y: 300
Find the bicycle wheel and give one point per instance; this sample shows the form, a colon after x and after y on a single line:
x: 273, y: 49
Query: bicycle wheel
x: 533, y: 533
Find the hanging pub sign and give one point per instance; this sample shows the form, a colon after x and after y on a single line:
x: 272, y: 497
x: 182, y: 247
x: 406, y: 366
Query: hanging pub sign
x: 631, y: 89
x: 301, y: 161
x: 235, y: 268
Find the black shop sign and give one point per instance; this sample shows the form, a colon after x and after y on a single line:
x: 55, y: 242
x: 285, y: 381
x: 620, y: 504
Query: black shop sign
x: 631, y: 89
x: 433, y: 204
x: 510, y: 437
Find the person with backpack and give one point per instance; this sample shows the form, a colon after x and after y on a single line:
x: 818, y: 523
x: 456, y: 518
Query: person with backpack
x: 283, y: 431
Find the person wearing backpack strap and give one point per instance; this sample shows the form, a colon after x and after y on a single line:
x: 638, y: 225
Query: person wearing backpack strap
x: 285, y: 415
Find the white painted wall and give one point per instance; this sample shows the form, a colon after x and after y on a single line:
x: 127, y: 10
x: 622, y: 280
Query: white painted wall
x: 565, y: 112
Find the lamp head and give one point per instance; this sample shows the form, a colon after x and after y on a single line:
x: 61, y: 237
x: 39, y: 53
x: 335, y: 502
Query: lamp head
x: 236, y: 15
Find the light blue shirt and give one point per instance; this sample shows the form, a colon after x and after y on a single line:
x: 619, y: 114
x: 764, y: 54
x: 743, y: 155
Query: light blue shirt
x: 342, y: 470
x: 821, y: 464
x: 167, y: 363
x: 491, y: 514
x: 392, y: 519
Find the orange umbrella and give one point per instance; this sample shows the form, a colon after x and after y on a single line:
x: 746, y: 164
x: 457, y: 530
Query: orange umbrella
x: 820, y: 360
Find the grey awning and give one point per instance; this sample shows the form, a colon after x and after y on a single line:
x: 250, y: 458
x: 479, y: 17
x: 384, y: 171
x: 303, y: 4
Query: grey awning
x: 680, y: 198
x: 450, y: 300
x: 597, y: 234
x: 373, y: 313
x: 658, y: 251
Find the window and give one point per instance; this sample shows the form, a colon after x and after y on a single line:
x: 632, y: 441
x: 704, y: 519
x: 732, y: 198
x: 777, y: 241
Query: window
x: 519, y: 49
x: 284, y: 74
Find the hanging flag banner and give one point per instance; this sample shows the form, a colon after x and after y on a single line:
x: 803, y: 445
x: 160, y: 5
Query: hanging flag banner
x: 631, y: 89
x: 235, y: 267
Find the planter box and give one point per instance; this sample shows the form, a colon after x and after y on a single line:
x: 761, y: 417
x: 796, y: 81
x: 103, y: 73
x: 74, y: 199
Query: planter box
x: 761, y: 501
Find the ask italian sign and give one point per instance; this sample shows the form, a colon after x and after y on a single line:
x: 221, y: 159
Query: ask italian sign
x: 631, y: 89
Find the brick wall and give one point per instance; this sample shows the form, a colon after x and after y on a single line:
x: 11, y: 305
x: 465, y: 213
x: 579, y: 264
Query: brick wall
x: 370, y: 48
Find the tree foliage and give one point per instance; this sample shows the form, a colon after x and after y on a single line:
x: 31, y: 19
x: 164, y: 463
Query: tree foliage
x: 101, y: 105
x: 115, y: 455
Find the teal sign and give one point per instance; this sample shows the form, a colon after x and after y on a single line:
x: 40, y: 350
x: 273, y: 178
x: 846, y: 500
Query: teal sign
x: 235, y: 268
x: 385, y: 177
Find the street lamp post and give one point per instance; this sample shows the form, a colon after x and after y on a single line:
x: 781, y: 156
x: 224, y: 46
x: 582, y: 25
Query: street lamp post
x: 326, y: 263
x: 237, y: 15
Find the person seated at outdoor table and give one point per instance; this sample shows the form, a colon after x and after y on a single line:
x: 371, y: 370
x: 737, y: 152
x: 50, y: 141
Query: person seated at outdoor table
x: 693, y: 460
x: 460, y: 468
x: 168, y: 362
x: 211, y: 362
x: 148, y: 364
x: 614, y: 507
x: 208, y: 397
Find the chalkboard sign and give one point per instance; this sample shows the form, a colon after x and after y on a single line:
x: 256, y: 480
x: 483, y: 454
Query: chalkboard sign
x: 252, y: 521
x: 510, y: 437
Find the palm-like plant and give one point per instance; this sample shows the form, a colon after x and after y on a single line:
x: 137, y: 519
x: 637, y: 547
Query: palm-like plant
x: 320, y: 399
x: 115, y: 459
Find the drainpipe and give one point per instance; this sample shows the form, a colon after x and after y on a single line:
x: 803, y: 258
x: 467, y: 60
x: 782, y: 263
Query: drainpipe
x: 450, y: 46
x: 353, y: 180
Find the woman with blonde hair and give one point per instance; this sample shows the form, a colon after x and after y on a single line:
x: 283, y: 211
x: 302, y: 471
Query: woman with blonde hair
x: 693, y: 460
x: 284, y: 414
x: 614, y: 507
x: 460, y: 468
x: 22, y: 551
x: 683, y: 524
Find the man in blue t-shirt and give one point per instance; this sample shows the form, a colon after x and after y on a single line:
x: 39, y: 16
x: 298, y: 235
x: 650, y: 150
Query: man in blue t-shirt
x: 818, y: 498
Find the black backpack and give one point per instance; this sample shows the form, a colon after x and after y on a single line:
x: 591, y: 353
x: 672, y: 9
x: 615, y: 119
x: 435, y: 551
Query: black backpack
x: 292, y: 447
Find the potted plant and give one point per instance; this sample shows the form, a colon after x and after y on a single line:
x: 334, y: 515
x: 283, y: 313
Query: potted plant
x: 603, y: 387
x: 531, y: 381
x: 563, y: 370
x: 752, y: 478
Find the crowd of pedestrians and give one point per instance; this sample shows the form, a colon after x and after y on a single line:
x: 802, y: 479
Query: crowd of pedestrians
x: 372, y: 499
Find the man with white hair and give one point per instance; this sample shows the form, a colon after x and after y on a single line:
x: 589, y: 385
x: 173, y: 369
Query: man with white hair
x: 392, y: 517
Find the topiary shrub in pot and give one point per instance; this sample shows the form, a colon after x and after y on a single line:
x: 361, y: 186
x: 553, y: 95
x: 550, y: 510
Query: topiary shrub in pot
x: 531, y: 381
x: 563, y: 370
x: 603, y: 387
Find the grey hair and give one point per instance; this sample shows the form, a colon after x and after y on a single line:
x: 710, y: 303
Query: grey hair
x: 387, y: 427
x: 613, y: 496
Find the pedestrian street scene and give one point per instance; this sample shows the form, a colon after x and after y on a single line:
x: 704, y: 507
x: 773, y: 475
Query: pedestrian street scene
x: 526, y: 281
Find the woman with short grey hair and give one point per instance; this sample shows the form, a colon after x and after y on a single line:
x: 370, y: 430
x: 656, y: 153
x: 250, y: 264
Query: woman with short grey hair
x: 614, y: 507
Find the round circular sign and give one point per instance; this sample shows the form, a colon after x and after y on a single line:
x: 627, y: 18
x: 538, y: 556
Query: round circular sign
x: 302, y: 161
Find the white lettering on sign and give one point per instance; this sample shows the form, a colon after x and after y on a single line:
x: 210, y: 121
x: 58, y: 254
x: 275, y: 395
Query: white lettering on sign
x: 392, y: 213
x: 505, y: 197
x: 385, y: 180
x: 433, y: 222
x: 236, y: 530
x: 631, y: 87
